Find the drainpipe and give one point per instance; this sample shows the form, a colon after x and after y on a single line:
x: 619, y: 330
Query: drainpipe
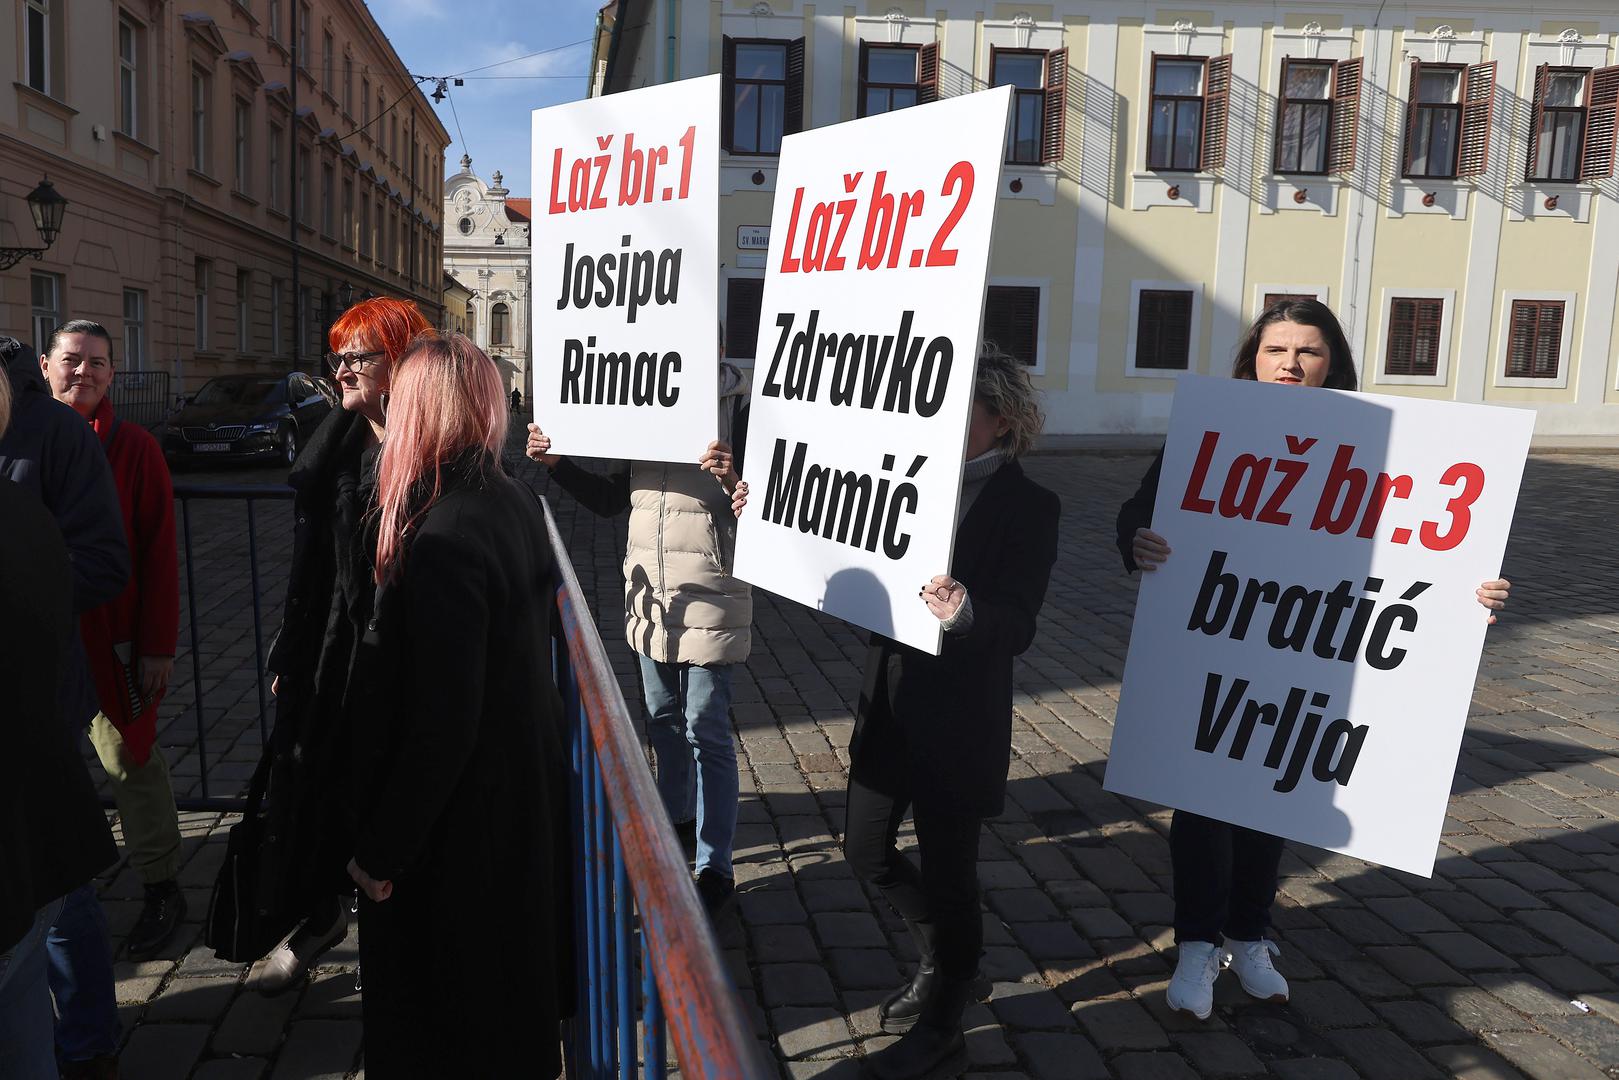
x: 669, y: 44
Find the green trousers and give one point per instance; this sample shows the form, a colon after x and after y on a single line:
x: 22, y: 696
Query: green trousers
x: 145, y: 799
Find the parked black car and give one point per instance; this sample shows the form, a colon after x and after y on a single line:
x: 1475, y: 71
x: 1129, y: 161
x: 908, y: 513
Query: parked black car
x: 246, y: 418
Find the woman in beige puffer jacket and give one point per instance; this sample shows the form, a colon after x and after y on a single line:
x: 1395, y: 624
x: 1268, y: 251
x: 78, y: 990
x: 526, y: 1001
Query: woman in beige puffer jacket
x: 687, y: 618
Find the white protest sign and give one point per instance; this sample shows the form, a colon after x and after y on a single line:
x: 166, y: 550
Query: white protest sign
x: 868, y: 343
x: 1303, y: 662
x: 625, y: 272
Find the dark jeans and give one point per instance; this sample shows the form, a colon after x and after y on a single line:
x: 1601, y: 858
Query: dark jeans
x: 1225, y: 878
x: 939, y: 900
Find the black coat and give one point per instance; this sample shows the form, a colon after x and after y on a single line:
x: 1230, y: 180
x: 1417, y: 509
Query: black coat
x: 949, y: 717
x: 329, y: 594
x: 1136, y: 513
x: 53, y: 835
x: 50, y: 451
x: 460, y: 795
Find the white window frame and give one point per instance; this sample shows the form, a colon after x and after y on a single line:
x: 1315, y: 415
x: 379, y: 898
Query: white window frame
x: 135, y: 330
x: 242, y: 143
x: 202, y: 93
x: 274, y: 135
x: 275, y: 317
x: 1379, y: 355
x: 129, y: 77
x: 1044, y: 285
x: 244, y: 311
x: 41, y: 315
x: 43, y: 8
x: 1194, y: 353
x: 1320, y: 292
x: 1564, y: 346
x: 203, y: 271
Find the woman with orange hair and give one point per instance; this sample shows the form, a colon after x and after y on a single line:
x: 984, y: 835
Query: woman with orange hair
x: 328, y: 603
x: 458, y: 785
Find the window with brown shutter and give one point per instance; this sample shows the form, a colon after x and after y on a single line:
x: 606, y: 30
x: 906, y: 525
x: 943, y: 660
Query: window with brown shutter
x: 889, y: 78
x: 763, y: 95
x: 1175, y: 125
x: 1557, y: 123
x: 1037, y: 78
x: 1602, y: 112
x: 1304, y: 117
x: 1055, y: 132
x: 1478, y: 109
x: 1012, y: 320
x: 927, y: 73
x: 1274, y: 298
x: 1164, y: 329
x: 1216, y: 111
x: 1413, y: 336
x: 743, y: 299
x: 1345, y: 116
x: 1535, y: 339
x: 1433, y: 120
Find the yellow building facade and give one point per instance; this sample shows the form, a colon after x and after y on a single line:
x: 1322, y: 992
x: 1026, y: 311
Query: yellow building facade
x: 1441, y: 176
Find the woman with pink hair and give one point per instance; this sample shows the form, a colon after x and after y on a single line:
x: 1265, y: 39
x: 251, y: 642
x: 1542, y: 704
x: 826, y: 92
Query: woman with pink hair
x: 458, y: 788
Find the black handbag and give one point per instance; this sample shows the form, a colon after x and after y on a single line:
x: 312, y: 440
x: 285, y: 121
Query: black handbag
x: 247, y: 916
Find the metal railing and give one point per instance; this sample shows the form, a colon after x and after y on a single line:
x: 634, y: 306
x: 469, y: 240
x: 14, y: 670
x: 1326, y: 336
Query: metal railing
x: 648, y: 964
x: 141, y: 397
x: 251, y: 495
x: 631, y: 876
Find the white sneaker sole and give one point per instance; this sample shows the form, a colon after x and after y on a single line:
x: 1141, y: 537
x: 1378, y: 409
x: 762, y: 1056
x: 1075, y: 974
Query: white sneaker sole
x: 1186, y: 1011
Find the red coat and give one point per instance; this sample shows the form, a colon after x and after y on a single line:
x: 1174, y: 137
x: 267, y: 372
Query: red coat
x: 143, y: 620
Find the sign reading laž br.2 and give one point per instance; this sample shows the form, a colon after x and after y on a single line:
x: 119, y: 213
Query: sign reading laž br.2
x: 868, y: 342
x: 625, y: 270
x: 1303, y: 662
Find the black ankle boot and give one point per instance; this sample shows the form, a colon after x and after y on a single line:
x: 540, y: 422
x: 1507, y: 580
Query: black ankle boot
x: 899, y: 1012
x: 934, y: 1048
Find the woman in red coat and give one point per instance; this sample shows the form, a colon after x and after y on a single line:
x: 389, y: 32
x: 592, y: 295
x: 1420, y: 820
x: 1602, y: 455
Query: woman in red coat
x: 129, y: 642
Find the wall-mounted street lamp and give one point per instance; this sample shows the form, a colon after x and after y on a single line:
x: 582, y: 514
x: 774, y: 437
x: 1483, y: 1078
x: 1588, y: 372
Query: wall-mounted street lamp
x: 345, y: 296
x: 47, y: 208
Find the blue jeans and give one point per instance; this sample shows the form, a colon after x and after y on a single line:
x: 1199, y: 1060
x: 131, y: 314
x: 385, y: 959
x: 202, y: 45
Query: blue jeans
x: 79, y: 954
x: 690, y: 732
x: 25, y: 1004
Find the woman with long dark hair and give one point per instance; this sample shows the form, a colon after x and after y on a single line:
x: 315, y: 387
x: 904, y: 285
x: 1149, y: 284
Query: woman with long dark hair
x: 1224, y: 874
x: 458, y: 788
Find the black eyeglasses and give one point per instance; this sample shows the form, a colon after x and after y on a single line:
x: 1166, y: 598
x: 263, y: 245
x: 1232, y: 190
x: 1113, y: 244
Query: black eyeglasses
x: 357, y: 362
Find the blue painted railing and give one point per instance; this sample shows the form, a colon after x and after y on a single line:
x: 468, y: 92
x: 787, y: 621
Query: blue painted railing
x: 644, y: 948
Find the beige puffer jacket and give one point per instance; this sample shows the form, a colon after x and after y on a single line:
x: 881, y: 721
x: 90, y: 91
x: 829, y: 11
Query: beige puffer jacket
x: 681, y: 604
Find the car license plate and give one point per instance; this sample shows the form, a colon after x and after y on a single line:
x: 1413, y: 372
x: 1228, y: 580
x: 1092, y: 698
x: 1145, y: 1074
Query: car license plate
x: 210, y: 447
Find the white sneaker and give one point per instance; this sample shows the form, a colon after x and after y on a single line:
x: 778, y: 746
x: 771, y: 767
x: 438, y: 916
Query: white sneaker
x: 1192, y: 988
x: 1250, y: 963
x: 286, y: 965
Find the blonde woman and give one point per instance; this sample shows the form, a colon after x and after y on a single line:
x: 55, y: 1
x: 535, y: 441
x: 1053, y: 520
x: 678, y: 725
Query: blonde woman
x: 933, y: 734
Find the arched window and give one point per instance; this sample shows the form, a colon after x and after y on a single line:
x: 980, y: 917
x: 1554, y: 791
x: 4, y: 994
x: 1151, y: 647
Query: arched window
x: 500, y: 325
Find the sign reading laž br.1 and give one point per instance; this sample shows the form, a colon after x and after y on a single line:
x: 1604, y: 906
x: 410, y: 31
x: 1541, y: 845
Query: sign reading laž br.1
x: 1303, y: 662
x: 868, y: 342
x: 625, y: 271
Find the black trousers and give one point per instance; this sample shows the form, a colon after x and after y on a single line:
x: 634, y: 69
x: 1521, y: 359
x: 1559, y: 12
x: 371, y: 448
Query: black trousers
x: 940, y: 899
x: 1225, y: 878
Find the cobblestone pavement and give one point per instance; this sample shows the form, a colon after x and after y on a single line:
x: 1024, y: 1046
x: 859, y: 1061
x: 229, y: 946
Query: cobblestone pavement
x: 1504, y: 964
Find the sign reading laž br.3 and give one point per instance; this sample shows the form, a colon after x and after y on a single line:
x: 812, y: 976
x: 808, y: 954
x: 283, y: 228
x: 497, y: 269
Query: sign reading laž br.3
x: 868, y: 341
x: 1303, y: 662
x: 625, y: 270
